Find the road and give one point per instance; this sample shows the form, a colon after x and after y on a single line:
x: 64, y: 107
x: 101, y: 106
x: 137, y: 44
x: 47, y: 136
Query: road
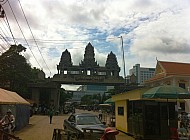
x: 39, y: 128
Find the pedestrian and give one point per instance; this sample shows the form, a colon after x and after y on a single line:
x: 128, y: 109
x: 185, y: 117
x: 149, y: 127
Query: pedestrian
x: 8, y: 121
x: 109, y: 134
x: 36, y: 110
x: 51, y: 112
x: 100, y: 114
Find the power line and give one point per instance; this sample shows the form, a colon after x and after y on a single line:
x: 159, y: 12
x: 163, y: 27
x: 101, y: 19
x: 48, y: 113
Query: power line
x: 73, y: 40
x: 9, y: 28
x: 33, y: 36
x: 3, y: 47
x: 23, y: 34
x: 8, y: 35
x: 5, y: 40
x: 4, y: 2
x: 4, y: 26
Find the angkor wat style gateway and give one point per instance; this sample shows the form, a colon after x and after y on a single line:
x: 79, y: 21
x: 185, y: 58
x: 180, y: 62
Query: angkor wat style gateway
x: 88, y: 71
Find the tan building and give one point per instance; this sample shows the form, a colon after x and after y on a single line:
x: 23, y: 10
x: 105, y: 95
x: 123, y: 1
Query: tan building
x: 121, y: 103
x: 166, y: 73
x: 172, y: 73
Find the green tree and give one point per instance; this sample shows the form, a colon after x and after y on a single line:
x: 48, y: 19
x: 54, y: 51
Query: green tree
x: 15, y: 72
x: 87, y: 100
x: 64, y: 96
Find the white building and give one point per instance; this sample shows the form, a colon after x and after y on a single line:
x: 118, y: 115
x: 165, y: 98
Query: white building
x: 142, y: 74
x: 89, y: 90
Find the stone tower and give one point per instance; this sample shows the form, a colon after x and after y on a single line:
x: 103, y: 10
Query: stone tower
x: 112, y: 65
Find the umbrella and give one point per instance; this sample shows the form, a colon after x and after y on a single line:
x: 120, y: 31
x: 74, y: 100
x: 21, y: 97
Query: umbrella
x: 109, y: 101
x: 166, y: 92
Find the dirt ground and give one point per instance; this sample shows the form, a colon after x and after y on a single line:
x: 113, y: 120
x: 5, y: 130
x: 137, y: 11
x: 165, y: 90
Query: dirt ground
x: 39, y: 128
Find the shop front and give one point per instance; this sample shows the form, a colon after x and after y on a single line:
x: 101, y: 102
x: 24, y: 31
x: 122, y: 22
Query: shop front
x: 150, y: 119
x: 148, y: 115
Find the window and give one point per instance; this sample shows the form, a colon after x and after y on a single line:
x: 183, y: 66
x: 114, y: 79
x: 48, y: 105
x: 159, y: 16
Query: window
x: 182, y: 85
x: 65, y: 72
x: 182, y: 105
x: 121, y: 111
x: 72, y: 119
x: 88, y: 72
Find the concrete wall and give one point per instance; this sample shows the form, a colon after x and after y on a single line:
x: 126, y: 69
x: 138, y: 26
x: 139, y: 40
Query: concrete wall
x: 121, y: 101
x: 121, y: 120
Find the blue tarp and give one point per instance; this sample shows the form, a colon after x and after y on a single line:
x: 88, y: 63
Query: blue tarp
x: 20, y: 111
x: 22, y: 116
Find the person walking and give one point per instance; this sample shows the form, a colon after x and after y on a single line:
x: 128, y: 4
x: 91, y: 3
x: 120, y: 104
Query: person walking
x: 100, y: 115
x: 109, y: 134
x: 51, y: 113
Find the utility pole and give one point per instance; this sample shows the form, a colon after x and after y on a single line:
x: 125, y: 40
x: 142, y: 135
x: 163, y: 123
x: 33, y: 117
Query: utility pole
x: 123, y: 59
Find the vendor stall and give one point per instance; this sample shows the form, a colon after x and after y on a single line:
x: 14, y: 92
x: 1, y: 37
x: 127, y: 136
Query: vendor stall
x: 149, y: 113
x: 148, y: 119
x: 19, y: 107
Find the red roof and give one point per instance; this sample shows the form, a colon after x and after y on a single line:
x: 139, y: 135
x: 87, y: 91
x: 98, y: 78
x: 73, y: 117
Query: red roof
x: 171, y: 68
x: 175, y: 68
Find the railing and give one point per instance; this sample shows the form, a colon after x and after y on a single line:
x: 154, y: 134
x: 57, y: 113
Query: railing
x: 6, y: 136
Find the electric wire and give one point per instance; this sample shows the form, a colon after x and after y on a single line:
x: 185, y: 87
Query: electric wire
x: 11, y: 35
x: 23, y: 34
x: 3, y: 47
x: 4, y: 2
x: 8, y: 41
x: 5, y: 41
x: 33, y: 36
x: 4, y: 26
x: 9, y: 28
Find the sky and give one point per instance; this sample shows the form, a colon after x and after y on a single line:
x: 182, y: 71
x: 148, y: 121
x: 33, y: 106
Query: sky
x: 151, y: 30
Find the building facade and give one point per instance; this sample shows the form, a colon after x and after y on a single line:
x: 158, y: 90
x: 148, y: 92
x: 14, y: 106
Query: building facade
x: 172, y: 73
x: 89, y: 90
x: 142, y: 74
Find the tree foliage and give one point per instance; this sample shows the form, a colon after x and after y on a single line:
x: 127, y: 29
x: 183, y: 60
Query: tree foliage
x: 92, y: 99
x: 64, y: 96
x: 15, y: 72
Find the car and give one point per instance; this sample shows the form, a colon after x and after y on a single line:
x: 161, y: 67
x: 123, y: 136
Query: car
x: 80, y: 123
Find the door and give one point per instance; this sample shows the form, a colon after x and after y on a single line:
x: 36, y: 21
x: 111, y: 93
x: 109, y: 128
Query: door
x: 152, y: 119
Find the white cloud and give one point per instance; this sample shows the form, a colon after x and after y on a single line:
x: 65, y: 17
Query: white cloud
x: 149, y: 28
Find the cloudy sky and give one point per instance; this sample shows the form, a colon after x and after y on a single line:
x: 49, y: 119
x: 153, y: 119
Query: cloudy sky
x: 150, y: 30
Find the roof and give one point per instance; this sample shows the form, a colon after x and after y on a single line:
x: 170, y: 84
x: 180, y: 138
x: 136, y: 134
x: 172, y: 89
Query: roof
x: 176, y: 68
x: 9, y: 97
x: 170, y: 69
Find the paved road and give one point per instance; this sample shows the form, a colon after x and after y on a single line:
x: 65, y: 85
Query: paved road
x: 40, y: 129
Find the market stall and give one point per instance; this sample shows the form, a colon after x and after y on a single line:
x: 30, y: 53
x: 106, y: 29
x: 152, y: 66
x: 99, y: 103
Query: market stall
x: 149, y: 113
x: 18, y: 105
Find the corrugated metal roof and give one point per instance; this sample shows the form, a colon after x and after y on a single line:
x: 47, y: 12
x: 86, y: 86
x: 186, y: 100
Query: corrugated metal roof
x: 9, y: 97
